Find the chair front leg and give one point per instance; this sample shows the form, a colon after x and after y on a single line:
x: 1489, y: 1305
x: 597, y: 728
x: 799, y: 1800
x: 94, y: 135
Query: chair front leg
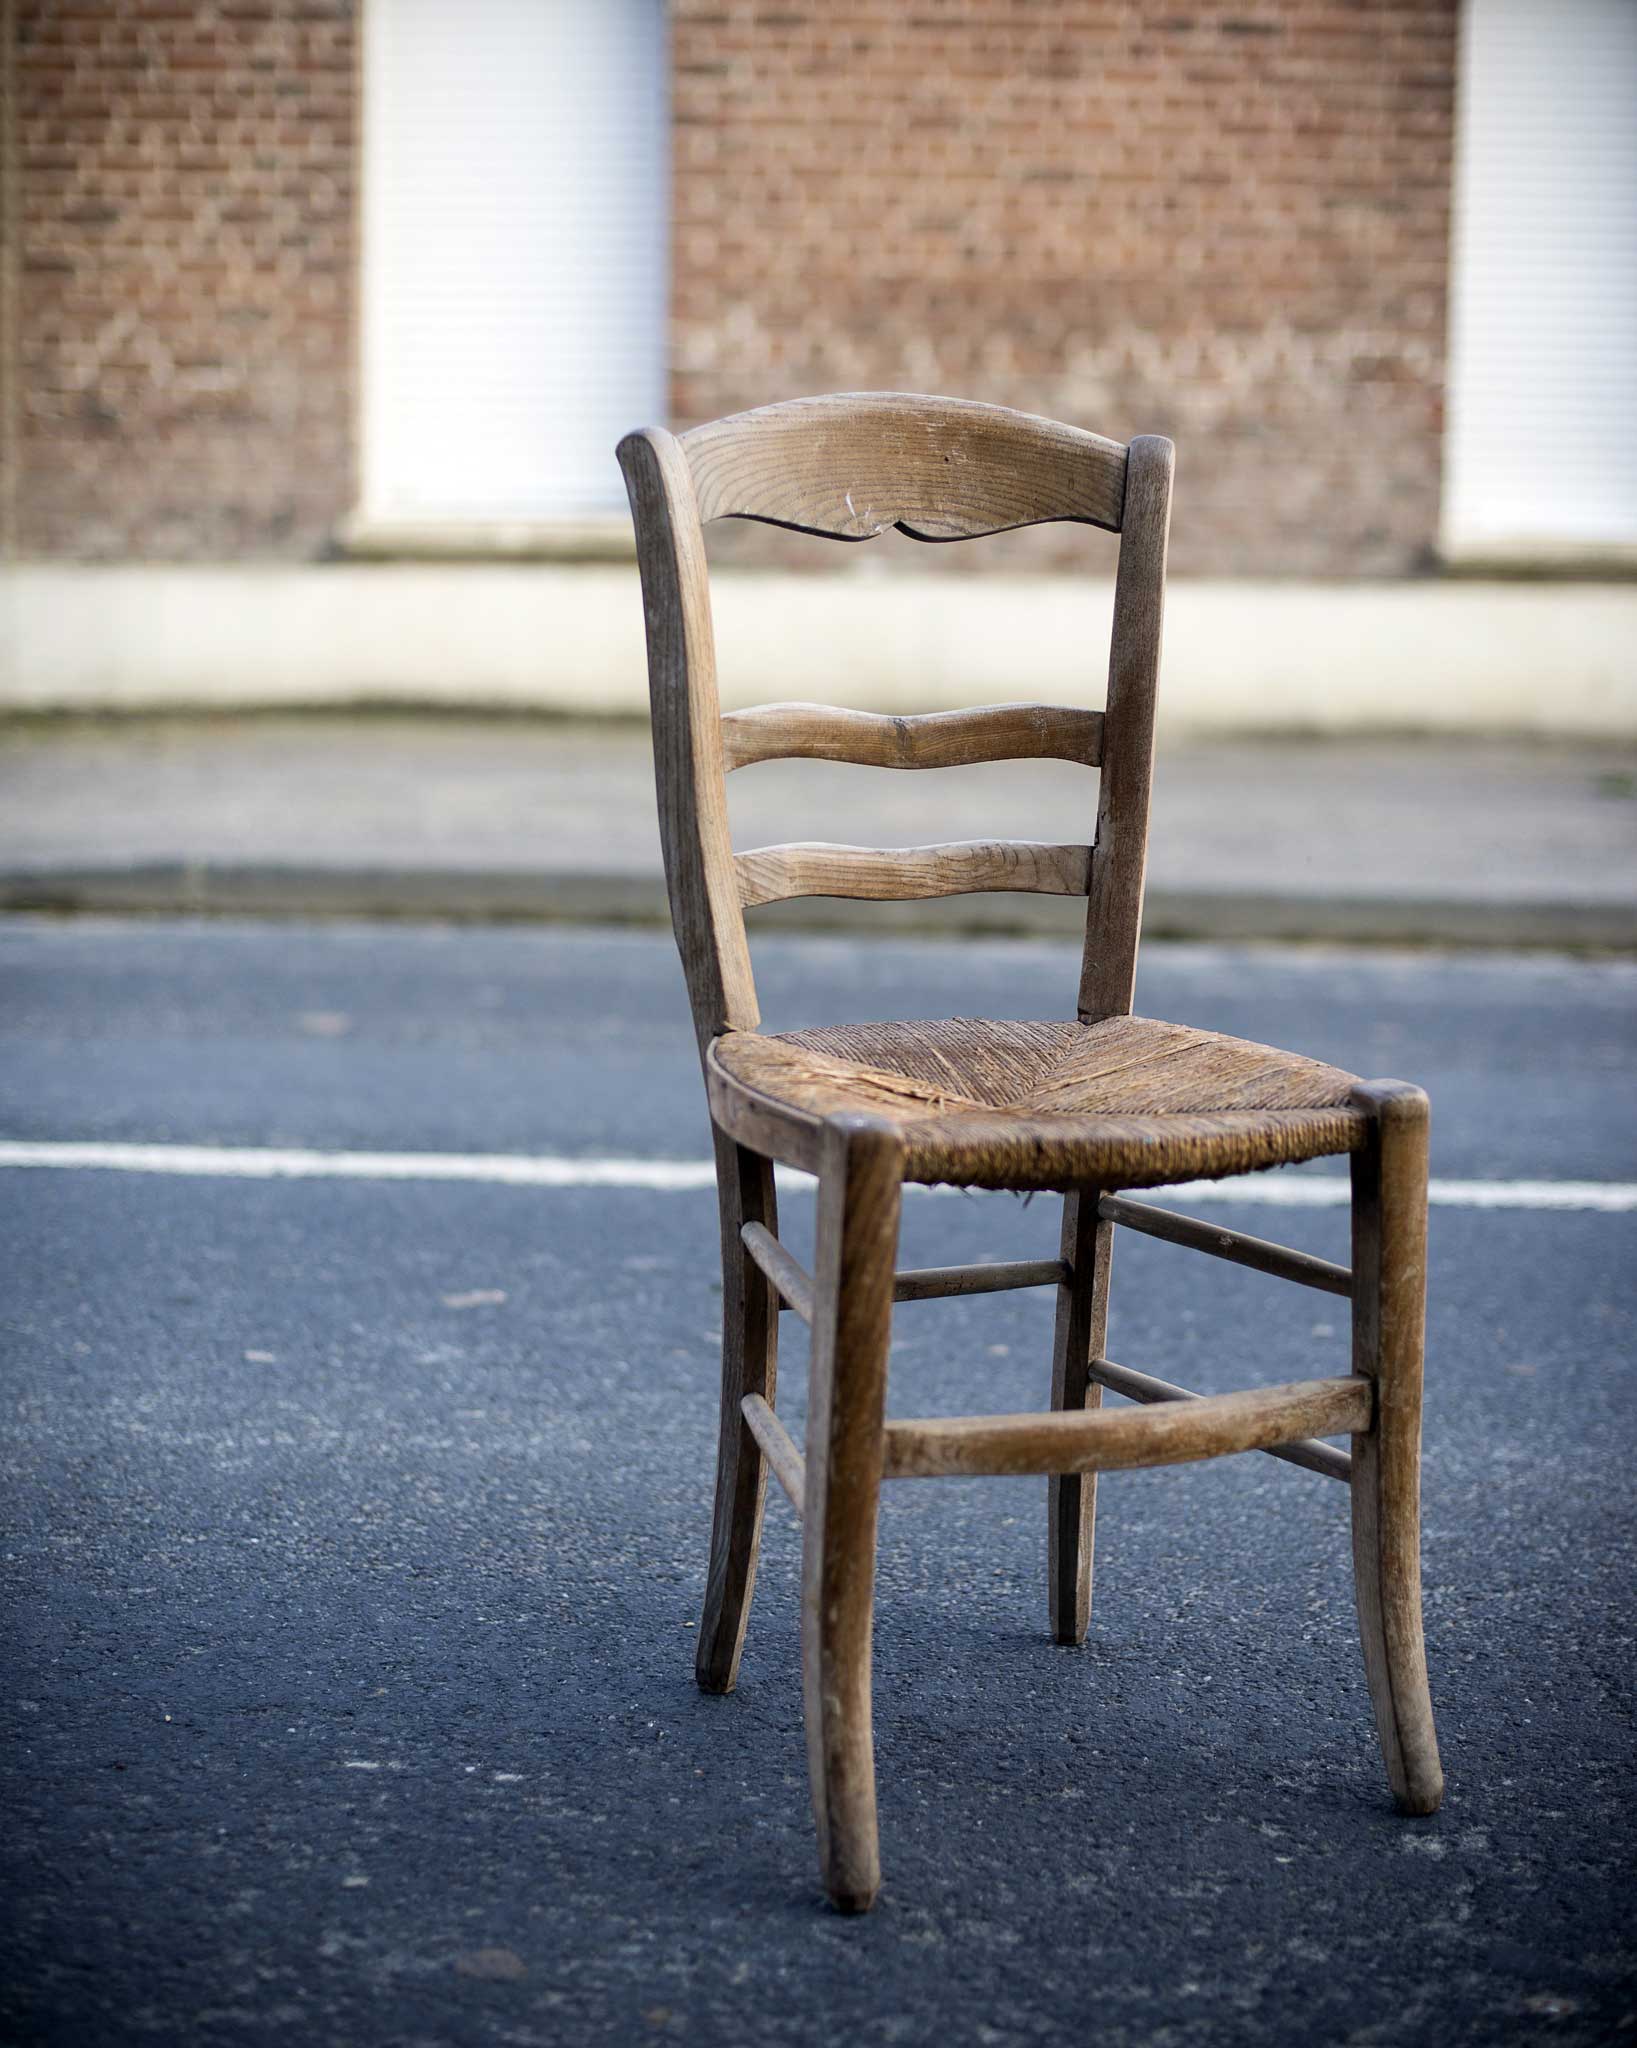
x: 750, y: 1355
x: 1389, y: 1318
x: 860, y: 1183
x: 1082, y: 1331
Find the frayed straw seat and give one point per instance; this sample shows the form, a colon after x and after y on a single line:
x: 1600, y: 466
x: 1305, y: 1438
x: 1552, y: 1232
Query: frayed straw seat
x: 1125, y: 1102
x: 1095, y: 1104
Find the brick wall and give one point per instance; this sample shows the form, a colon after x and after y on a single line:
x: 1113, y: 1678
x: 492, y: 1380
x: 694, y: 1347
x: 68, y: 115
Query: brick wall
x: 1227, y: 223
x: 184, y: 271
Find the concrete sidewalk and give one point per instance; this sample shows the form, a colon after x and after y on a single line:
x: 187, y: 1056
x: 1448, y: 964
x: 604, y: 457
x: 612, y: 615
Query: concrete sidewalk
x: 1412, y: 840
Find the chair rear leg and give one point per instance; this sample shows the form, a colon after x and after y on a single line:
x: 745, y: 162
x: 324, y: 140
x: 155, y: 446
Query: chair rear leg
x: 859, y: 1188
x: 1389, y: 1317
x: 1082, y: 1329
x: 750, y: 1353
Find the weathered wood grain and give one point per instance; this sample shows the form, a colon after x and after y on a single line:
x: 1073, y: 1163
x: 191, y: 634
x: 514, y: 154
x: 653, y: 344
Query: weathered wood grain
x: 750, y: 1365
x: 933, y: 1283
x: 1120, y: 860
x: 924, y: 1283
x: 1086, y: 1247
x: 860, y: 1184
x: 1141, y: 1386
x: 791, y: 1280
x: 778, y: 1447
x: 937, y: 739
x: 1233, y: 1245
x: 1389, y: 1315
x: 849, y: 465
x: 879, y: 874
x: 687, y: 728
x: 1108, y: 1440
x: 778, y: 1130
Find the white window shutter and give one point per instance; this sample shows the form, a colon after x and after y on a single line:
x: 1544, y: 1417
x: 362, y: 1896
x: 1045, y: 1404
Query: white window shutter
x: 1541, y: 436
x: 516, y: 190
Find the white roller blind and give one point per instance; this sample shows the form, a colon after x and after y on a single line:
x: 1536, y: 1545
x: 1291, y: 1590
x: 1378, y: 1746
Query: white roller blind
x: 1541, y: 438
x: 514, y: 265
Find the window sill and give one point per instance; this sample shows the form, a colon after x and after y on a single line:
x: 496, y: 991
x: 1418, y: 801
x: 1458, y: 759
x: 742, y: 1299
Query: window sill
x: 607, y: 538
x: 1540, y: 561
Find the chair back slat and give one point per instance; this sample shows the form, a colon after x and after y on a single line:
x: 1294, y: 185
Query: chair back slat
x: 939, y: 739
x: 891, y: 874
x: 850, y: 465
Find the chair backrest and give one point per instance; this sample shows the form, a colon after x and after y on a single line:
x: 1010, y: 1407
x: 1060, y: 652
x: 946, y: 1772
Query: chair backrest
x: 939, y: 469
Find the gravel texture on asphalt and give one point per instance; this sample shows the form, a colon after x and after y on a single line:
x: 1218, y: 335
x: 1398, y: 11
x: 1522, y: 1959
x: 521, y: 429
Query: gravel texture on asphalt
x: 354, y: 1538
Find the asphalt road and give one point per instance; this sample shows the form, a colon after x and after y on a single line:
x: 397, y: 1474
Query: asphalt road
x: 354, y: 1536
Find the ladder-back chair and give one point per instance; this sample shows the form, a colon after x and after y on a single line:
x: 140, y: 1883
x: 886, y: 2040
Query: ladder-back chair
x: 1091, y: 1107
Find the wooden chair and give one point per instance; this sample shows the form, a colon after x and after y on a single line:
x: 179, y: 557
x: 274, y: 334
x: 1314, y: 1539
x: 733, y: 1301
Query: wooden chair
x: 1092, y: 1107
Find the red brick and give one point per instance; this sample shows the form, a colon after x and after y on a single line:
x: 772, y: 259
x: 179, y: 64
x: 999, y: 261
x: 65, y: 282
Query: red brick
x: 1225, y: 220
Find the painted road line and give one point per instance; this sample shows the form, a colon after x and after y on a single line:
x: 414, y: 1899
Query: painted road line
x: 1280, y: 1190
x: 277, y: 1162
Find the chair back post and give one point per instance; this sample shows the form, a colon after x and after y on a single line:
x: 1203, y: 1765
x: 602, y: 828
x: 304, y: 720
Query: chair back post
x: 706, y: 914
x: 1119, y: 856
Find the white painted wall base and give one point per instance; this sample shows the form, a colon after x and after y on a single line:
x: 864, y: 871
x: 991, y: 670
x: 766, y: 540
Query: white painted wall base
x: 1434, y: 656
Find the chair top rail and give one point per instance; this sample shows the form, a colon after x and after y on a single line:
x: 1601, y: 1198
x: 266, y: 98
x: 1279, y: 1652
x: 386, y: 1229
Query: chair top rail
x: 937, y: 739
x: 773, y: 874
x: 848, y: 466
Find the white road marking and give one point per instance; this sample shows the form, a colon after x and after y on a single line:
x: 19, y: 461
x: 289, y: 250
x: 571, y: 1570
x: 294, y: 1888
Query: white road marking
x: 272, y: 1162
x: 675, y: 1176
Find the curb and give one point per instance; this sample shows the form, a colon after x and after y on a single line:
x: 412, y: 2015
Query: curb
x: 199, y: 889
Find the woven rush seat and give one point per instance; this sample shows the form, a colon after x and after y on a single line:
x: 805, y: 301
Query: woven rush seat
x: 1125, y: 1102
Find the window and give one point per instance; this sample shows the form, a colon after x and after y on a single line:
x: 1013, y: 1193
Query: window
x: 1541, y: 441
x: 515, y: 176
